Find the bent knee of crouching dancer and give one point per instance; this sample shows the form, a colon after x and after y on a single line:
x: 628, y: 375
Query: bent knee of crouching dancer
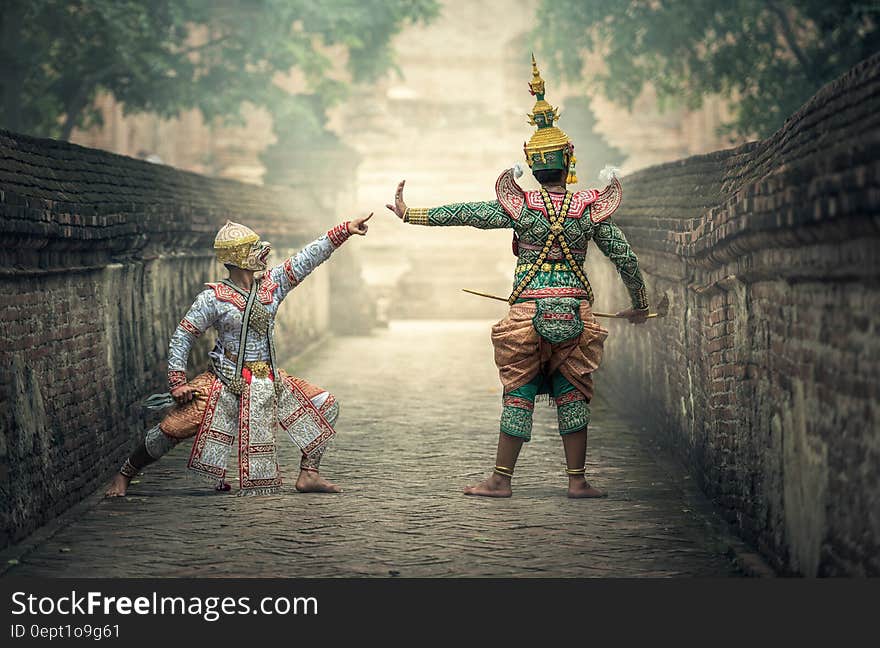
x: 154, y: 446
x: 331, y: 412
x: 157, y: 443
x: 328, y: 406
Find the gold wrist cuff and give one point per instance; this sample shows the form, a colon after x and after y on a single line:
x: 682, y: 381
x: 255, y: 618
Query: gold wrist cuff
x: 640, y: 299
x: 416, y: 215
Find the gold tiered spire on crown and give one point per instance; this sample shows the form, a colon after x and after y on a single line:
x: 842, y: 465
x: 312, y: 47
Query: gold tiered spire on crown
x: 541, y: 149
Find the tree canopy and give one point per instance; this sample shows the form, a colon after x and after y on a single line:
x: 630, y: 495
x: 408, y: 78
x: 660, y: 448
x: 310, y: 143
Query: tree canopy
x: 592, y: 150
x: 767, y: 56
x: 165, y: 56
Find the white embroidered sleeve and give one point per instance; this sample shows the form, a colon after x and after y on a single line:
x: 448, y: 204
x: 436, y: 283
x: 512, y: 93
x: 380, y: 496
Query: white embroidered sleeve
x: 198, y: 319
x: 290, y: 273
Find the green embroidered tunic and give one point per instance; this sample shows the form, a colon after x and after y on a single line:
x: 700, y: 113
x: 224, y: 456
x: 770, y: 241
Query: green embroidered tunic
x: 532, y: 227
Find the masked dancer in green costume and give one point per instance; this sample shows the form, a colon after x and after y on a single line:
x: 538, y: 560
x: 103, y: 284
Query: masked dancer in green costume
x: 549, y: 342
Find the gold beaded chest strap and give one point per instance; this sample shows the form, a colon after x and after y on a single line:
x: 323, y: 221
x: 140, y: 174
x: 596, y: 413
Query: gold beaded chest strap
x: 556, y: 232
x: 545, y: 267
x: 237, y: 383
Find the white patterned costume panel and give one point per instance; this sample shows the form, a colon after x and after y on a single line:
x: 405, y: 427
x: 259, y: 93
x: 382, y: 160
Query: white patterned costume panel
x: 225, y: 316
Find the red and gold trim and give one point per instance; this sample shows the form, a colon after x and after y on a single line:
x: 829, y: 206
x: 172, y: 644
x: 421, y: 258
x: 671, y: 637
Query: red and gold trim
x: 176, y: 379
x: 510, y: 195
x: 606, y: 202
x: 226, y: 294
x: 190, y: 328
x: 327, y: 404
x: 205, y: 433
x: 580, y: 200
x: 339, y: 234
x: 570, y: 397
x: 558, y: 316
x: 290, y: 274
x: 266, y: 289
x: 541, y: 293
x: 305, y: 403
x: 516, y: 401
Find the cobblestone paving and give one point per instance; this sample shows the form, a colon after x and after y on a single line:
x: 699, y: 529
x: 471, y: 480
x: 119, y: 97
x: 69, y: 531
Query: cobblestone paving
x: 419, y: 420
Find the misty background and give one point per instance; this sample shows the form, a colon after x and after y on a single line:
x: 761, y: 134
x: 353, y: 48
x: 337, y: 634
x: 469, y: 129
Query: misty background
x: 345, y: 98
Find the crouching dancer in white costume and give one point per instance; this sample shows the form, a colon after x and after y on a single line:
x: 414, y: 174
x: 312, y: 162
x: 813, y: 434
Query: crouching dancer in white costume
x: 244, y: 395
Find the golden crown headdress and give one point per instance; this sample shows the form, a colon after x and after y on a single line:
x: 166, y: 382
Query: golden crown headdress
x: 549, y: 147
x: 233, y: 243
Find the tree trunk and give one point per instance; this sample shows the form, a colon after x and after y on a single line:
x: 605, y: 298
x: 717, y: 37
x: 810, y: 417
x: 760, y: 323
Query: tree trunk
x: 791, y: 40
x: 71, y: 116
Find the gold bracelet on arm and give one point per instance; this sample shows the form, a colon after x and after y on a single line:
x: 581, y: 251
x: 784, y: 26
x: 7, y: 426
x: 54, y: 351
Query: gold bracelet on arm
x: 416, y: 215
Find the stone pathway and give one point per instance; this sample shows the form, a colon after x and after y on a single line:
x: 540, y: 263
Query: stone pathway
x: 419, y: 419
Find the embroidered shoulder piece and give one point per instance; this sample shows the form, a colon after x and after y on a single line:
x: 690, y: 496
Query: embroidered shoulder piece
x: 510, y: 195
x: 266, y: 289
x: 226, y: 294
x: 607, y: 202
x: 580, y: 200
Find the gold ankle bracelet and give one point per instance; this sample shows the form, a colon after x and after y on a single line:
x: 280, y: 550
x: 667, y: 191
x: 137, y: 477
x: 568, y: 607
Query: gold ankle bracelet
x: 576, y: 471
x: 128, y: 470
x: 503, y: 471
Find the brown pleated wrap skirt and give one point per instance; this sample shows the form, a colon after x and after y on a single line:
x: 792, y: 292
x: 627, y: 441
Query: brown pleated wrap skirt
x: 521, y: 353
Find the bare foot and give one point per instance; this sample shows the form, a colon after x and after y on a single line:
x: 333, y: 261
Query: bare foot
x: 579, y: 488
x: 223, y: 486
x: 118, y: 486
x: 312, y: 482
x: 494, y: 486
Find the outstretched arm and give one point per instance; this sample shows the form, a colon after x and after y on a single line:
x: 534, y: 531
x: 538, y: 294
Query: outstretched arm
x: 610, y: 239
x: 483, y: 215
x: 291, y: 273
x: 197, y: 320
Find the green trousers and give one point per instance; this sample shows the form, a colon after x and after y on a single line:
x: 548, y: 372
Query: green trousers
x: 572, y: 408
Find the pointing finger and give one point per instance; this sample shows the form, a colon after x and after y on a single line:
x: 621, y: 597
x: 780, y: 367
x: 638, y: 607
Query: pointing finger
x: 368, y: 217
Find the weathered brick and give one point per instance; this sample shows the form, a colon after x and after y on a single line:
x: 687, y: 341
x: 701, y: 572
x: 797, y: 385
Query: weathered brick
x: 776, y: 365
x: 154, y: 227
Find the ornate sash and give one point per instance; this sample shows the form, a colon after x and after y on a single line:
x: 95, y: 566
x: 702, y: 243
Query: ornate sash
x: 249, y: 416
x: 556, y: 234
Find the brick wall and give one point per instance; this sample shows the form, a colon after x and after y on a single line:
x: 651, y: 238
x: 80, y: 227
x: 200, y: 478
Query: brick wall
x: 100, y: 257
x: 765, y: 376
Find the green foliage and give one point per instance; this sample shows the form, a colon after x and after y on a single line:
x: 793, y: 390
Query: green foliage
x: 768, y: 56
x: 591, y: 148
x: 165, y: 56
